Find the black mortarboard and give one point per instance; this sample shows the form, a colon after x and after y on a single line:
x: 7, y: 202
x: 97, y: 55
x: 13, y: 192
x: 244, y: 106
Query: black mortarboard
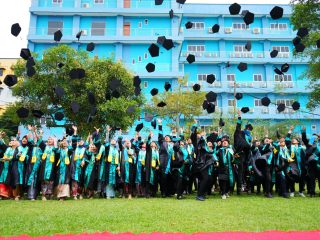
x: 265, y: 101
x: 300, y: 47
x: 161, y: 104
x: 31, y: 71
x: 168, y: 44
x: 154, y: 50
x: 60, y: 65
x: 285, y: 67
x: 114, y: 84
x: 154, y: 123
x: 115, y: 94
x: 211, y: 108
x: 245, y: 109
x: 196, y: 87
x: 296, y: 106
x: 158, y: 2
x: 136, y: 81
x: 211, y: 96
x: 238, y: 96
x: 93, y: 111
x: 211, y: 78
x: 91, y: 98
x: 90, y: 47
x: 137, y: 91
x: 78, y: 36
x: 181, y: 1
x: 318, y: 43
x: 69, y: 131
x: 281, y: 107
x: 75, y: 107
x: 139, y: 127
x: 242, y: 67
x: 10, y: 80
x: 296, y: 41
x: 15, y: 29
x: 248, y: 18
x: 22, y: 112
x: 131, y: 109
x: 276, y: 12
x: 248, y: 46
x: 274, y: 53
x: 215, y: 28
x: 154, y: 91
x: 278, y: 71
x: 161, y: 39
x: 59, y: 91
x: 205, y: 104
x: 25, y: 53
x: 150, y: 67
x: 249, y: 127
x: 302, y: 32
x: 30, y: 62
x: 167, y: 86
x: 171, y: 13
x: 37, y: 113
x: 58, y: 116
x: 188, y: 25
x: 77, y: 73
x: 221, y: 122
x: 191, y: 58
x: 234, y: 9
x: 228, y: 64
x: 57, y: 36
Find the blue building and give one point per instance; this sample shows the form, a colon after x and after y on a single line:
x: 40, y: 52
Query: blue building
x: 124, y: 29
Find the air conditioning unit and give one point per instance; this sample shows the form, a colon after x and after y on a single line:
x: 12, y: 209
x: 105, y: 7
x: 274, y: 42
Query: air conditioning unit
x: 181, y: 29
x: 250, y: 84
x: 251, y: 110
x: 250, y: 55
x: 256, y: 30
x: 265, y: 110
x: 285, y: 55
x: 85, y: 5
x: 243, y: 84
x: 84, y: 32
x: 237, y: 55
x: 228, y: 30
x: 209, y: 30
x: 215, y: 55
x: 290, y: 85
x: 231, y: 84
x: 260, y: 55
x: 263, y: 84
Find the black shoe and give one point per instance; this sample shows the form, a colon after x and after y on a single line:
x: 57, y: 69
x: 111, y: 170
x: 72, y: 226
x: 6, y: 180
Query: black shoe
x: 200, y: 198
x: 286, y: 195
x: 269, y: 195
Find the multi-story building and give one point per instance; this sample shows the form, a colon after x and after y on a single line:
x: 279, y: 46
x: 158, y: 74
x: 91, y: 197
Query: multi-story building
x: 124, y: 29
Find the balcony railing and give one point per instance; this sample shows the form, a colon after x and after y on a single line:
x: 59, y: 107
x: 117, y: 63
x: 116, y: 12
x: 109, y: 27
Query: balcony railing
x: 233, y: 54
x: 149, y: 32
x: 141, y: 67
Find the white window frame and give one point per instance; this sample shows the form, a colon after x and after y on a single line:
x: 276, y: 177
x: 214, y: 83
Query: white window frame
x: 57, y: 1
x: 233, y: 76
x: 257, y: 78
x: 283, y: 78
x: 239, y: 26
x: 52, y: 30
x: 198, y: 25
x: 281, y: 49
x: 239, y: 48
x: 98, y: 1
x: 196, y: 48
x: 279, y: 26
x: 287, y: 102
x: 203, y: 77
x: 145, y: 84
x: 257, y: 103
x: 98, y: 29
x: 230, y: 100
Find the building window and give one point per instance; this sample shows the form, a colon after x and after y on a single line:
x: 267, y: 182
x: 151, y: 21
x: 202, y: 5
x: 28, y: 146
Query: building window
x: 287, y: 102
x: 146, y: 21
x: 54, y: 26
x: 313, y: 127
x: 145, y: 55
x: 98, y: 28
x: 198, y: 25
x: 231, y: 77
x: 133, y: 61
x: 98, y: 1
x: 196, y: 48
x: 139, y: 59
x: 145, y: 84
x: 279, y: 26
x: 239, y: 26
x: 281, y: 48
x: 56, y: 1
x: 231, y: 103
x: 285, y: 78
x: 139, y: 24
x: 257, y: 77
x: 239, y: 48
x: 257, y: 103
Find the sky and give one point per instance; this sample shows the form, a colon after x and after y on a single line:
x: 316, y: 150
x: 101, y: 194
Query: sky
x: 17, y: 11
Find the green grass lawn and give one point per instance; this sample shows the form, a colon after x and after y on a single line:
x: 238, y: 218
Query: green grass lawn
x: 244, y: 213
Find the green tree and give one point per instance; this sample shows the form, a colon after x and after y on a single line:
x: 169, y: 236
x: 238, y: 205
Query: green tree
x: 38, y: 93
x: 9, y: 121
x: 306, y: 13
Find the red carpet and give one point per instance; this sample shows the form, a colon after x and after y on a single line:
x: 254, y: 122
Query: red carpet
x: 269, y: 235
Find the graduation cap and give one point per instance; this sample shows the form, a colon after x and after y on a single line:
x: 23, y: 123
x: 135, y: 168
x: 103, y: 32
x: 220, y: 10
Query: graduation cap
x: 276, y: 13
x: 93, y: 111
x: 161, y: 39
x: 158, y: 2
x: 30, y: 62
x: 300, y: 47
x: 15, y: 29
x: 265, y: 101
x: 78, y: 36
x: 154, y: 123
x: 211, y: 78
x: 238, y: 96
x: 136, y: 81
x: 77, y: 73
x: 242, y: 67
x: 75, y: 107
x: 181, y: 1
x: 211, y: 108
x: 57, y: 36
x: 281, y: 107
x: 131, y: 109
x: 161, y: 104
x: 10, y: 80
x: 188, y: 25
x: 115, y: 94
x: 278, y: 71
x: 285, y: 67
x: 167, y: 86
x: 60, y: 65
x: 245, y: 109
x: 248, y: 18
x: 228, y: 64
x: 168, y: 44
x: 150, y: 67
x: 31, y: 71
x: 296, y: 41
x: 303, y: 32
x: 221, y: 122
x: 274, y: 53
x: 248, y: 46
x: 191, y: 58
x: 91, y: 98
x: 171, y: 13
x: 215, y: 28
x: 25, y: 53
x: 69, y: 131
x: 318, y: 43
x: 58, y: 116
x: 90, y: 47
x: 196, y: 87
x: 139, y: 127
x: 154, y: 91
x: 137, y: 91
x: 114, y: 84
x: 37, y: 113
x: 234, y: 9
x: 59, y: 91
x: 205, y: 104
x: 211, y: 96
x: 22, y: 112
x: 295, y: 106
x: 154, y: 50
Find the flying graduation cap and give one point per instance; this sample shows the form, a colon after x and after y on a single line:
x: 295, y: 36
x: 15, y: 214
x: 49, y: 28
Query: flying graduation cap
x: 234, y: 9
x: 30, y: 62
x: 158, y: 2
x: 189, y: 25
x: 295, y: 106
x: 274, y: 53
x: 90, y: 47
x: 25, y: 53
x: 191, y: 58
x: 139, y: 127
x: 167, y: 86
x: 248, y: 18
x: 57, y: 36
x: 303, y: 32
x: 15, y: 29
x: 296, y: 41
x: 59, y: 91
x: 300, y: 47
x: 281, y: 107
x: 211, y: 78
x: 75, y: 107
x: 245, y: 109
x: 242, y: 67
x: 238, y: 96
x: 77, y: 73
x: 211, y: 96
x: 150, y: 67
x: 136, y: 81
x: 211, y: 108
x: 78, y: 36
x: 37, y: 113
x: 181, y: 1
x: 154, y: 91
x: 265, y: 101
x: 278, y: 71
x: 215, y: 28
x: 285, y: 67
x: 114, y: 84
x: 196, y: 87
x: 91, y: 98
x: 205, y: 104
x: 161, y: 104
x: 154, y: 50
x: 248, y: 46
x: 58, y: 116
x: 167, y: 44
x: 171, y: 13
x: 161, y: 39
x: 22, y: 112
x: 276, y: 13
x: 10, y: 80
x: 31, y: 71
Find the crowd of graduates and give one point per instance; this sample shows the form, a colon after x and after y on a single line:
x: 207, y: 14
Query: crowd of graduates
x: 174, y: 165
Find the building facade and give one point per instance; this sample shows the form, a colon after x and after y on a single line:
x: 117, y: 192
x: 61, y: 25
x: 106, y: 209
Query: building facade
x: 124, y: 29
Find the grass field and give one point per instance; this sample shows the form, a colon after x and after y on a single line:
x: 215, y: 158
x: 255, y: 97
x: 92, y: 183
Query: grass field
x: 244, y: 213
